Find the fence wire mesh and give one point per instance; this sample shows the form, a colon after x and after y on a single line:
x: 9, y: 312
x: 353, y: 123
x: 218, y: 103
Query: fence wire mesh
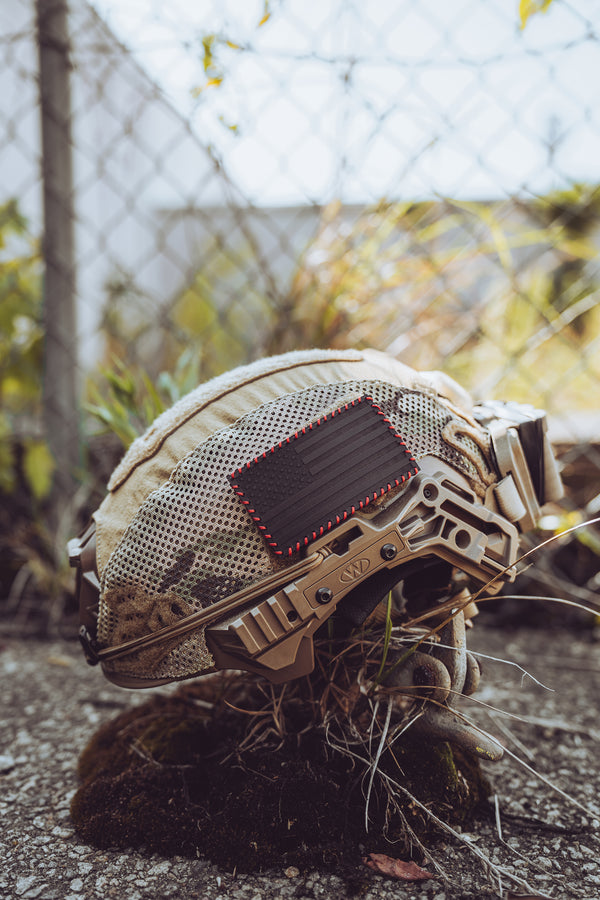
x: 253, y: 177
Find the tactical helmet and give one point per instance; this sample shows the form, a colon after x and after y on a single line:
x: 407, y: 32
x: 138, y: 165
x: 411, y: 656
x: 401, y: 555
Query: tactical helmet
x: 291, y: 489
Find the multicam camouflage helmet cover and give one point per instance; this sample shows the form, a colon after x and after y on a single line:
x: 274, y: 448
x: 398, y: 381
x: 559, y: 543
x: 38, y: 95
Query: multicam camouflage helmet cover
x: 238, y: 522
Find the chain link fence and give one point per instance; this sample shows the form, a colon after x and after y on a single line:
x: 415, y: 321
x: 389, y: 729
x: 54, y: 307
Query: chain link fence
x: 185, y: 190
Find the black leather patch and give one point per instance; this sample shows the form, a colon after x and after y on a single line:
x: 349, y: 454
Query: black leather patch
x: 322, y: 474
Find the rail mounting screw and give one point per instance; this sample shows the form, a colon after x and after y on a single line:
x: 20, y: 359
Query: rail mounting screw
x: 388, y: 551
x: 324, y: 595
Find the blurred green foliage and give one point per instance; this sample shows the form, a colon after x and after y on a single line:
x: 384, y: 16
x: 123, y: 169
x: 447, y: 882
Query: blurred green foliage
x: 23, y: 451
x: 32, y: 554
x: 129, y: 400
x: 503, y: 296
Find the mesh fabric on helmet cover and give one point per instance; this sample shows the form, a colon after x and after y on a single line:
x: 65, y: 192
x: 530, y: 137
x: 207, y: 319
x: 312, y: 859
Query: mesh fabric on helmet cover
x: 192, y: 542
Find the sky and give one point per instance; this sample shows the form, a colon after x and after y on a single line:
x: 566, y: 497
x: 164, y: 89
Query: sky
x: 360, y: 99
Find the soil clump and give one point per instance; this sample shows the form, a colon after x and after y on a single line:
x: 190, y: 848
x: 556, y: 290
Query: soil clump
x: 251, y: 776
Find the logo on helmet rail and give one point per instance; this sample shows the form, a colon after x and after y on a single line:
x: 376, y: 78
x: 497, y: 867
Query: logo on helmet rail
x: 356, y: 568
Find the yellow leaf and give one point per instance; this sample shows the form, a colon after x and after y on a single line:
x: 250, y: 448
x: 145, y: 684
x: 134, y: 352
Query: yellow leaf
x: 232, y: 127
x: 579, y: 249
x: 208, y: 43
x: 266, y: 13
x: 38, y: 467
x: 212, y: 82
x: 529, y: 8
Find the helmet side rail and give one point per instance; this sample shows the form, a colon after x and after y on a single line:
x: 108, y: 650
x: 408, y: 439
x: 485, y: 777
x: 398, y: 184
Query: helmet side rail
x: 268, y: 627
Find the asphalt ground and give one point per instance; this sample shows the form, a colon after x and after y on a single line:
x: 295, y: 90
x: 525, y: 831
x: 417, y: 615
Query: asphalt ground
x: 532, y: 839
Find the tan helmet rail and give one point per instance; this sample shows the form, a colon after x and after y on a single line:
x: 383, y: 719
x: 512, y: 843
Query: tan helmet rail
x: 206, y: 617
x: 264, y: 623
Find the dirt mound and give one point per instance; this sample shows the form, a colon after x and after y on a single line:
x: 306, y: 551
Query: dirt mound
x: 249, y: 776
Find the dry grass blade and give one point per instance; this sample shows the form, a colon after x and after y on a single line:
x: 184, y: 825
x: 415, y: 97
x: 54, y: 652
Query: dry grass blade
x: 498, y: 659
x: 373, y: 768
x: 507, y: 733
x: 533, y: 550
x: 557, y: 725
x: 533, y: 771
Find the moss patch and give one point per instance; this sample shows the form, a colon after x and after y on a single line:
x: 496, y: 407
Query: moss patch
x: 189, y: 774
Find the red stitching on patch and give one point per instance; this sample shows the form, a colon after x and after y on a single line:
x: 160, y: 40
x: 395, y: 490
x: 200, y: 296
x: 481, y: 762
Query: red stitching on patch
x: 345, y: 515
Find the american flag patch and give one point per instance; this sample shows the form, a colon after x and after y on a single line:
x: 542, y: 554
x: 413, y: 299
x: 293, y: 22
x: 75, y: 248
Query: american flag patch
x: 322, y: 474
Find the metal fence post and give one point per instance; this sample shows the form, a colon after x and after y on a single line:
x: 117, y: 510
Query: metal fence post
x: 61, y: 417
